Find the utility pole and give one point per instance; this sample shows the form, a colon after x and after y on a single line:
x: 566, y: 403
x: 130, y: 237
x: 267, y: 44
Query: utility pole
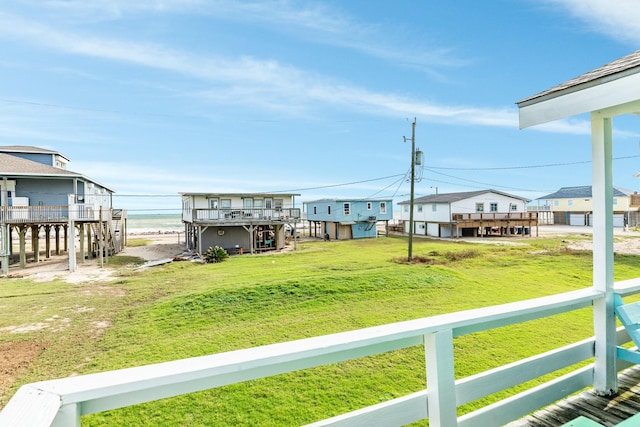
x: 413, y: 178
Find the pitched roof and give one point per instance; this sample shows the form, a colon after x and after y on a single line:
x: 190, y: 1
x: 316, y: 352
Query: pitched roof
x: 455, y: 197
x: 621, y: 67
x: 13, y: 166
x: 581, y: 192
x: 28, y: 149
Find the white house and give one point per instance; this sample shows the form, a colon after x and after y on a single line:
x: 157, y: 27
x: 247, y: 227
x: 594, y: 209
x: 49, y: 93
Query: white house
x: 452, y: 214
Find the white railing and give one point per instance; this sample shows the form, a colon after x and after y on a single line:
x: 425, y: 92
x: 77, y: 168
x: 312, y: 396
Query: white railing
x: 39, y: 214
x: 241, y: 215
x: 62, y: 402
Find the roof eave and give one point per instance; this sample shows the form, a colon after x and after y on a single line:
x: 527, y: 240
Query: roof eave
x: 621, y: 90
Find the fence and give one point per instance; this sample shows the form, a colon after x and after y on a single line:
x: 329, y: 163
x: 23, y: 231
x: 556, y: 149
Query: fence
x: 62, y: 402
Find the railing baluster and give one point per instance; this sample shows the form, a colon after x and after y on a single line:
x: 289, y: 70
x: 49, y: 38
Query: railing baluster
x: 441, y: 387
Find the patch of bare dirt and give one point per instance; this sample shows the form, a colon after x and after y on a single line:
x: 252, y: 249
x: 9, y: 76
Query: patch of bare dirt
x: 14, y: 358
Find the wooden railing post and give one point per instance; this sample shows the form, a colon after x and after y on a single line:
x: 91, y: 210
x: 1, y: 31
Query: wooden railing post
x: 441, y: 388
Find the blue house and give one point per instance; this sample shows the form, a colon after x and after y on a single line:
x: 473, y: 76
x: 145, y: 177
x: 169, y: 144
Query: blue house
x: 344, y: 219
x: 39, y: 195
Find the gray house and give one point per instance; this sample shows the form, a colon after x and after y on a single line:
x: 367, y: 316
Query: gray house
x: 239, y: 222
x: 39, y: 194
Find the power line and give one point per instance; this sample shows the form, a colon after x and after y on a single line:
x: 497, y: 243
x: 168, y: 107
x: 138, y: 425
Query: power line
x: 530, y: 166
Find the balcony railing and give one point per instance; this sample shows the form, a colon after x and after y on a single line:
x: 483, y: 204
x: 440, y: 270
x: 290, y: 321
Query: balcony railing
x: 493, y: 216
x: 244, y: 215
x: 62, y: 402
x: 41, y: 214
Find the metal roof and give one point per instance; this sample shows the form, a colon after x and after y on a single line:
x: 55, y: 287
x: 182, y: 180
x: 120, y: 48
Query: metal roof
x: 581, y: 192
x: 346, y: 199
x: 238, y: 194
x: 455, y: 197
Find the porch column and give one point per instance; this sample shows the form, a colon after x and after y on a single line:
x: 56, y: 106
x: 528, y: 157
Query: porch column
x: 22, y: 233
x: 71, y: 242
x: 57, y: 233
x: 35, y: 242
x: 47, y: 243
x: 81, y: 227
x: 6, y: 248
x: 605, y: 380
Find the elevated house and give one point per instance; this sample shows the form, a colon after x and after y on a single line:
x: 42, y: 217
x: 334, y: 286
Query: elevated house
x: 39, y: 195
x: 238, y: 222
x: 341, y: 219
x: 468, y: 214
x: 574, y: 206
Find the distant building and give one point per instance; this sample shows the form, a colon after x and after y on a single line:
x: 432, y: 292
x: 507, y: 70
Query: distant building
x: 574, y: 206
x: 238, y: 222
x: 467, y: 214
x: 343, y: 219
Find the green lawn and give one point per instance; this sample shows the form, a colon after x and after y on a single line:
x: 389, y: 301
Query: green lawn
x: 184, y: 309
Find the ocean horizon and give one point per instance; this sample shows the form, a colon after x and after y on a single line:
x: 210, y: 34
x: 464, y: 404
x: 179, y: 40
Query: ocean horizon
x: 154, y: 223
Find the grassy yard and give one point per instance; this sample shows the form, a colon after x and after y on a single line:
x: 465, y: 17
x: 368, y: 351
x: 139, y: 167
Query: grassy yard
x: 183, y: 309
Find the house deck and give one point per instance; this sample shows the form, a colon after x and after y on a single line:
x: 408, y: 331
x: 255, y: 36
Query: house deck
x: 603, y: 410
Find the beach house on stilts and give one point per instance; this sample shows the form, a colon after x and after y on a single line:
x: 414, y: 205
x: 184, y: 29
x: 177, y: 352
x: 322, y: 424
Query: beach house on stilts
x: 42, y: 201
x: 239, y: 222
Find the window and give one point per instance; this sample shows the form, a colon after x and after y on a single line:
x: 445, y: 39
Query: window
x: 513, y: 207
x: 383, y: 207
x: 347, y: 208
x: 479, y: 207
x: 406, y: 208
x: 419, y: 208
x: 570, y: 202
x: 615, y: 200
x: 315, y: 210
x: 213, y: 203
x: 225, y: 203
x: 278, y: 204
x: 556, y: 203
x: 493, y: 207
x: 328, y: 209
x: 434, y: 208
x: 369, y: 205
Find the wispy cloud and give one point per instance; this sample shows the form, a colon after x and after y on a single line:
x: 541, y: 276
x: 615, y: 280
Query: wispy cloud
x: 618, y: 19
x: 313, y: 21
x: 264, y: 84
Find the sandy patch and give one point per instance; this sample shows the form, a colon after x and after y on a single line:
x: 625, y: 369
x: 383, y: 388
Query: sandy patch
x: 161, y: 246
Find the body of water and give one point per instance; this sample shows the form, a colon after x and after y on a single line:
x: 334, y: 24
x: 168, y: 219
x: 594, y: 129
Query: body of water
x: 154, y: 223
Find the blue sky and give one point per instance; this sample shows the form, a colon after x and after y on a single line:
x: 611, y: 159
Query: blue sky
x: 152, y: 98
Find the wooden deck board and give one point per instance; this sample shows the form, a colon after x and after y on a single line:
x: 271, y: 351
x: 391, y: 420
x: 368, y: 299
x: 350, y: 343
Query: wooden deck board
x: 604, y: 410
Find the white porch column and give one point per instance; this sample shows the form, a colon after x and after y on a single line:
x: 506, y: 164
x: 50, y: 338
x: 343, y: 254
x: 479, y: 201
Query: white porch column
x: 605, y: 381
x: 71, y: 241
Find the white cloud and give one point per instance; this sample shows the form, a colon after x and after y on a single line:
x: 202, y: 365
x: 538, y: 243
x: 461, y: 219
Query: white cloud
x: 618, y: 19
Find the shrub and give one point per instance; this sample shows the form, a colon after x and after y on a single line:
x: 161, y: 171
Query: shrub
x: 215, y: 254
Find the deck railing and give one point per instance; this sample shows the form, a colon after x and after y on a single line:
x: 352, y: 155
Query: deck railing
x: 60, y: 214
x: 492, y: 216
x: 244, y: 215
x: 62, y: 402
